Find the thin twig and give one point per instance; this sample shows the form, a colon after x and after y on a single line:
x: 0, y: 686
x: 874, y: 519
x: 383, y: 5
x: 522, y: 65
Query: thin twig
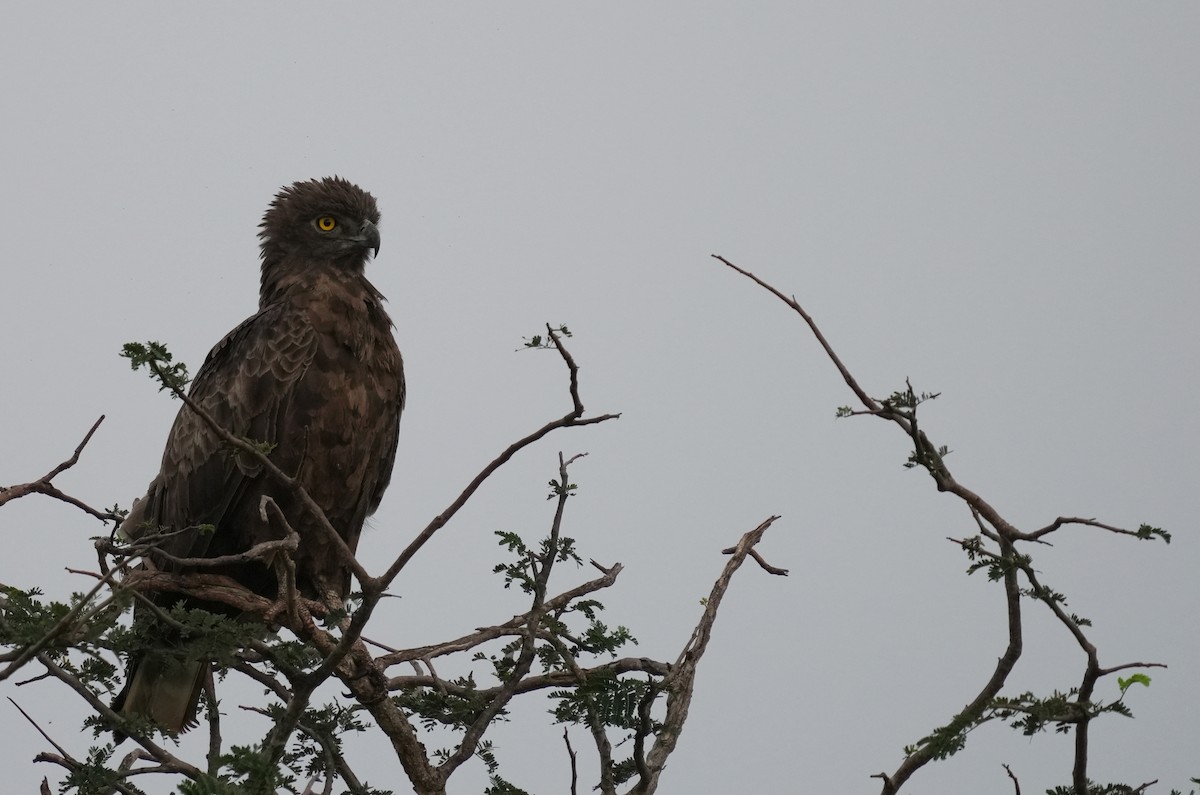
x: 41, y: 731
x: 573, y: 418
x: 1066, y: 520
x: 571, y: 754
x: 43, y: 485
x: 867, y: 400
x: 1016, y: 784
x: 484, y: 634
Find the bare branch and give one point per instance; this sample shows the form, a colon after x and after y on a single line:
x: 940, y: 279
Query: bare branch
x: 758, y: 558
x: 870, y: 403
x: 484, y: 634
x: 901, y: 409
x: 571, y: 419
x: 1016, y: 784
x: 572, y: 369
x: 888, y: 787
x: 607, y: 785
x: 644, y: 729
x: 43, y: 485
x: 40, y: 730
x: 925, y: 450
x: 681, y: 680
x: 1066, y: 520
x: 571, y: 754
x: 1127, y: 666
x: 555, y: 679
x: 214, y: 724
x: 207, y: 587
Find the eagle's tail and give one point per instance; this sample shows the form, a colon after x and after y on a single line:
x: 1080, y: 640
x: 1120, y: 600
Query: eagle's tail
x: 163, y: 689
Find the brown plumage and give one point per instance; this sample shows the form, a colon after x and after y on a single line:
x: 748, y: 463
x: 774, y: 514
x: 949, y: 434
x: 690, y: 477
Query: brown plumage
x: 317, y: 374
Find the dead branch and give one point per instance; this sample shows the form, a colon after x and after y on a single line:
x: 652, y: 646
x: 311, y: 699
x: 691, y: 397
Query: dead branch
x: 644, y: 729
x: 484, y: 634
x: 213, y: 714
x: 903, y: 413
x: 680, y: 682
x: 571, y: 754
x: 571, y: 419
x: 40, y: 730
x: 1062, y: 521
x: 44, y: 484
x: 556, y: 679
x: 758, y: 558
x: 1016, y: 784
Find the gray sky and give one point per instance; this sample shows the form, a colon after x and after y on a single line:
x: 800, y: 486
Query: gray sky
x: 999, y: 202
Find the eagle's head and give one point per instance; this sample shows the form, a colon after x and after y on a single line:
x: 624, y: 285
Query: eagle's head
x: 321, y: 220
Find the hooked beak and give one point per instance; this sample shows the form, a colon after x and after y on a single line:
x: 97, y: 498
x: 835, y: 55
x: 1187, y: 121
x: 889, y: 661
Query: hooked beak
x: 368, y: 237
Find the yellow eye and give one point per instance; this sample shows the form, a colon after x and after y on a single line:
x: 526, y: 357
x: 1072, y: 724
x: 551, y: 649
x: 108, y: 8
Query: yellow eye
x: 326, y: 223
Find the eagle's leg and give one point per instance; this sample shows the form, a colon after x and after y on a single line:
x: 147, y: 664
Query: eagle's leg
x: 289, y: 602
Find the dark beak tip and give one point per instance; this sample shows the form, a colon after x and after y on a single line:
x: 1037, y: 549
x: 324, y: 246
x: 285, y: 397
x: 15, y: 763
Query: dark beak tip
x: 370, y: 237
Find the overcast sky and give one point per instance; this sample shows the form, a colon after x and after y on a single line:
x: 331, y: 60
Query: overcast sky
x: 999, y: 201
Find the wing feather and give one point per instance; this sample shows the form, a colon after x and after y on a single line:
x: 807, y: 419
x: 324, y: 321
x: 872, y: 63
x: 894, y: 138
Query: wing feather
x: 246, y: 384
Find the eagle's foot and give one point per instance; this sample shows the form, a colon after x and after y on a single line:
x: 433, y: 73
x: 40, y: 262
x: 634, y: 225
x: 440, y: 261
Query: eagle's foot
x: 367, y: 682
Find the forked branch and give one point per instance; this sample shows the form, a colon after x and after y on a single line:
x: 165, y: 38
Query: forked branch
x: 1004, y: 564
x: 45, y: 484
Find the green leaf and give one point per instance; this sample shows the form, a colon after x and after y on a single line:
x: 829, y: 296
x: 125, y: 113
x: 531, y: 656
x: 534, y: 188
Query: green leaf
x: 1140, y: 679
